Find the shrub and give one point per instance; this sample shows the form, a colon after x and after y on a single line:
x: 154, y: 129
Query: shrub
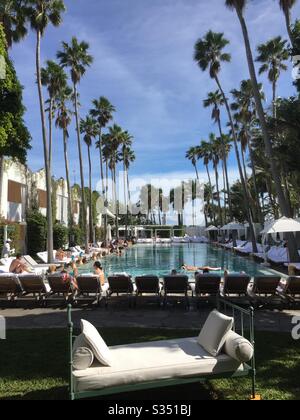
x: 13, y: 233
x: 60, y: 236
x: 76, y: 236
x: 36, y: 232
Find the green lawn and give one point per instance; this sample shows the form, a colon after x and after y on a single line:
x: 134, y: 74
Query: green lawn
x: 34, y: 366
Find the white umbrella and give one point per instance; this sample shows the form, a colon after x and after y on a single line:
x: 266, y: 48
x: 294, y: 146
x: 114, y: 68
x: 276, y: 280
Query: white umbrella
x: 283, y: 225
x: 108, y: 212
x: 108, y: 233
x: 211, y: 229
x: 233, y: 226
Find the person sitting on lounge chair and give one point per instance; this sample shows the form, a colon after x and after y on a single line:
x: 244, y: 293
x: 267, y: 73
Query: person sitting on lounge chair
x: 206, y: 268
x: 18, y: 266
x: 98, y: 270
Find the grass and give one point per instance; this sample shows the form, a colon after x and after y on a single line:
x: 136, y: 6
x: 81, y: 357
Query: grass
x: 34, y: 366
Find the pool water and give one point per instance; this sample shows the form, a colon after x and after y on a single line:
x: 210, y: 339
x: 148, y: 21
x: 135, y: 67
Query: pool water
x: 161, y: 259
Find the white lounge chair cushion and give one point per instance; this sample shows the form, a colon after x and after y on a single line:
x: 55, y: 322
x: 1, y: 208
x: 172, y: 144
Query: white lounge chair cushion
x: 161, y: 360
x: 214, y: 332
x: 239, y: 348
x: 83, y: 358
x: 96, y: 343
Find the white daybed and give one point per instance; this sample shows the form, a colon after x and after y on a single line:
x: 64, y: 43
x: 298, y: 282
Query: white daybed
x: 164, y: 363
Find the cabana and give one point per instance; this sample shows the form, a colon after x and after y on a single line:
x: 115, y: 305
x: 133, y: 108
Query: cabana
x: 233, y: 227
x: 282, y: 225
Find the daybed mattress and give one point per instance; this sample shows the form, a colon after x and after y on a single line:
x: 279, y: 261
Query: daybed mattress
x: 144, y: 362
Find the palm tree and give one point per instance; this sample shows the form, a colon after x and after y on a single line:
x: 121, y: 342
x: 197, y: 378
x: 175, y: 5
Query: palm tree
x: 273, y: 54
x: 42, y: 13
x: 89, y: 128
x: 55, y: 79
x: 209, y: 55
x: 102, y: 112
x: 216, y: 153
x: 244, y: 105
x: 63, y: 120
x: 113, y: 140
x: 216, y: 100
x: 13, y: 14
x: 193, y: 155
x: 204, y: 153
x: 239, y: 7
x: 286, y: 6
x: 75, y: 56
x: 125, y: 155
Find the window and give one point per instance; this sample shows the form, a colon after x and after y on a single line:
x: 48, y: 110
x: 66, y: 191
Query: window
x: 14, y: 194
x: 42, y: 197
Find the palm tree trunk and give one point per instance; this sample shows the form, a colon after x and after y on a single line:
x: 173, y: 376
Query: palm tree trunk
x: 125, y: 195
x: 212, y: 201
x: 84, y: 218
x: 70, y: 214
x: 218, y: 193
x: 226, y: 169
x: 274, y: 86
x: 116, y: 202
x: 101, y: 160
x: 50, y: 133
x: 46, y: 153
x: 128, y: 192
x: 287, y: 15
x: 91, y: 223
x: 245, y: 189
x: 260, y: 215
x: 197, y: 173
x: 292, y: 245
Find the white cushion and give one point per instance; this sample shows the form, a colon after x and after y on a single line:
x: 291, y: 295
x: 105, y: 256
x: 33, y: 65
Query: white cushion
x: 239, y: 348
x: 214, y: 332
x: 96, y: 343
x: 83, y: 358
x: 154, y: 361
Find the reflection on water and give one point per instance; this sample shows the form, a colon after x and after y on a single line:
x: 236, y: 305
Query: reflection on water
x: 160, y: 260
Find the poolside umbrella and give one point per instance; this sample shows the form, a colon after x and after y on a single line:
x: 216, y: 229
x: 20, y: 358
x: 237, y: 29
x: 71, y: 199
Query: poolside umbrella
x: 212, y: 229
x: 283, y: 225
x: 234, y: 227
x: 108, y: 213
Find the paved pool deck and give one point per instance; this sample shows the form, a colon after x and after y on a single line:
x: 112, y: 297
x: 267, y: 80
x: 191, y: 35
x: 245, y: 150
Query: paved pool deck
x: 145, y: 317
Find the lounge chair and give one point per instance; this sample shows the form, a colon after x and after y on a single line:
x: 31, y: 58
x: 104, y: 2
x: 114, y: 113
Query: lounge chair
x: 33, y: 287
x: 148, y: 285
x: 236, y: 286
x: 292, y: 290
x: 207, y: 286
x: 177, y: 286
x: 264, y: 289
x: 33, y: 264
x: 89, y: 288
x: 121, y: 286
x: 59, y: 288
x: 10, y: 287
x: 161, y: 364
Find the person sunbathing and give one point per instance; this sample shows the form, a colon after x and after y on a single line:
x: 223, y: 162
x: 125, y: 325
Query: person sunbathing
x: 205, y: 269
x: 18, y: 266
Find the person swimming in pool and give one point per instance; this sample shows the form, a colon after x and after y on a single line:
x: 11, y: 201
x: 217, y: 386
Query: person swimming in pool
x: 205, y: 269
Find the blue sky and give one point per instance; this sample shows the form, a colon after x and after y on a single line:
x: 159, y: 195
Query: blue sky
x: 143, y: 62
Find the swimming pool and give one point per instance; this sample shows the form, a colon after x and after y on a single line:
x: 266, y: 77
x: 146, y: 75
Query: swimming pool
x: 161, y: 259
